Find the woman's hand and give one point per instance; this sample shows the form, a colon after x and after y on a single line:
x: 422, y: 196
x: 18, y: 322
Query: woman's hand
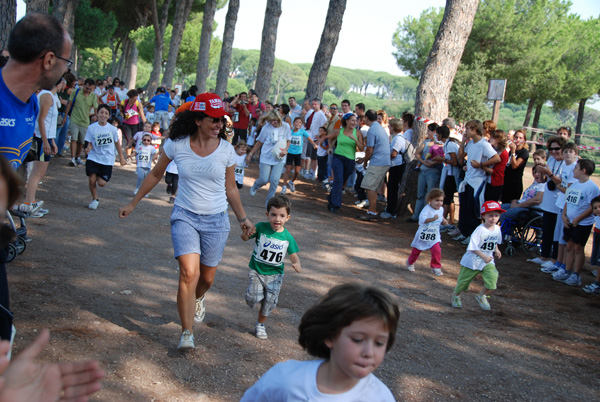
x: 512, y: 147
x: 247, y: 227
x: 475, y: 164
x: 125, y: 211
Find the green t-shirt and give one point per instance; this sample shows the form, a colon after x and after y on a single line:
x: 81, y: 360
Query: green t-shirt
x: 346, y: 146
x: 83, y: 104
x: 270, y: 249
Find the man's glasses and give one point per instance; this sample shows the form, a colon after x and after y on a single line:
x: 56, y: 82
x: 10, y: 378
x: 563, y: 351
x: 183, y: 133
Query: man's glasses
x: 69, y: 62
x: 333, y: 108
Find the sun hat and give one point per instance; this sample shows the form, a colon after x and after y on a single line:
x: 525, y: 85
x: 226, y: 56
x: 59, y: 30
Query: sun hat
x: 490, y: 206
x: 208, y: 103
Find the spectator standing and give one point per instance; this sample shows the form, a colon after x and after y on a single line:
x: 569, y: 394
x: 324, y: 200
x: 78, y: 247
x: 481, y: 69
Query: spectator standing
x: 397, y: 165
x: 83, y: 101
x: 513, y: 175
x: 314, y: 119
x: 295, y: 108
x: 241, y: 118
x: 161, y: 109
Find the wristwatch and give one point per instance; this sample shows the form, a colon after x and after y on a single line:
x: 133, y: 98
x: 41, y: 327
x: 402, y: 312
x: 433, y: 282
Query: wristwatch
x: 243, y: 219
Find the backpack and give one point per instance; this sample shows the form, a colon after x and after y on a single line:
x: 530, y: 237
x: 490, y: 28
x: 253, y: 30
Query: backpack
x: 409, y: 152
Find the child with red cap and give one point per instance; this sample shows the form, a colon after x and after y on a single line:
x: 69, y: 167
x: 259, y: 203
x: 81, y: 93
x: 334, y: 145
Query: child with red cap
x: 479, y: 258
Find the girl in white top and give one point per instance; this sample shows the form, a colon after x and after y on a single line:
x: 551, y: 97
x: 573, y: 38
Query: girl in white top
x: 45, y: 133
x: 348, y: 353
x: 273, y: 143
x: 102, y: 139
x: 199, y: 221
x: 145, y: 154
x: 428, y: 235
x: 240, y: 162
x: 479, y: 258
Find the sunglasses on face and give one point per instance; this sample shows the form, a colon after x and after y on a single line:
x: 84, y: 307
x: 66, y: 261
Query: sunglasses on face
x: 555, y: 149
x: 146, y: 140
x: 216, y: 119
x: 333, y: 108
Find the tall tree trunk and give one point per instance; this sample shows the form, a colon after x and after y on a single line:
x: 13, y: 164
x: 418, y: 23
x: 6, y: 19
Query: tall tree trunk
x: 125, y: 71
x: 329, y: 39
x: 267, y: 49
x: 125, y: 49
x: 578, y: 127
x: 132, y: 67
x: 114, y: 48
x: 37, y: 6
x: 182, y: 12
x: 8, y: 19
x: 64, y: 10
x: 437, y: 78
x: 226, y: 48
x: 159, y: 22
x: 530, y: 106
x: 210, y: 7
x: 535, y: 124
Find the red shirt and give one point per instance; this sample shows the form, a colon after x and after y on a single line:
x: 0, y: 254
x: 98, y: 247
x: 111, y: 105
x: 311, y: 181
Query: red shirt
x: 244, y: 120
x: 498, y: 169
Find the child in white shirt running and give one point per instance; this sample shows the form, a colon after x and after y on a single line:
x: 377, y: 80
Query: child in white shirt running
x: 240, y: 162
x: 479, y: 258
x: 350, y: 330
x: 145, y: 155
x: 428, y: 235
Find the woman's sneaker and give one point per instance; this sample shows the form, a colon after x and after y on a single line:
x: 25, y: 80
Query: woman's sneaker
x: 260, y: 331
x: 200, y: 310
x: 483, y: 302
x: 456, y: 303
x: 186, y: 342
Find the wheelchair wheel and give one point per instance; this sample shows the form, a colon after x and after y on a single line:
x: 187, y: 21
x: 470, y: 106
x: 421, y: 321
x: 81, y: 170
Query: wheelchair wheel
x: 12, y: 252
x: 531, y: 237
x: 510, y: 250
x: 21, y: 245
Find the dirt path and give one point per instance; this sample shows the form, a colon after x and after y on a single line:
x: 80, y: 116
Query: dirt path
x: 539, y: 342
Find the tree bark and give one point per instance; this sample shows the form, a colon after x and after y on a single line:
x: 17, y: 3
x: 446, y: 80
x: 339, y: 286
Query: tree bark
x: 64, y: 10
x: 125, y: 49
x: 578, y: 127
x: 267, y: 49
x: 182, y: 12
x: 530, y: 106
x: 317, y: 77
x: 437, y: 78
x: 132, y: 67
x: 535, y: 124
x: 226, y: 48
x: 159, y: 22
x: 37, y: 6
x: 8, y: 19
x: 210, y: 8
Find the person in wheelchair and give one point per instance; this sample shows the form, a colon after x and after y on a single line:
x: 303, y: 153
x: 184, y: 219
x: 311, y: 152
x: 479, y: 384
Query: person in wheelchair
x: 531, y: 198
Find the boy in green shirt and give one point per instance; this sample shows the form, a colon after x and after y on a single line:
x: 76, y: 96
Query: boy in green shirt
x: 273, y: 241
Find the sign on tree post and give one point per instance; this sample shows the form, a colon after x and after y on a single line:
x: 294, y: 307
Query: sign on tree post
x: 496, y: 90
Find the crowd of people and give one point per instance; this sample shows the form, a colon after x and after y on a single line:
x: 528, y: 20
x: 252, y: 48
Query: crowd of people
x: 200, y: 144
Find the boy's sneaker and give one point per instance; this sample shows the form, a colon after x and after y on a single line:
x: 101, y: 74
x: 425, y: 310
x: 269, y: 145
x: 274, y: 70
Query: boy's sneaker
x: 573, y: 280
x: 80, y: 162
x: 200, y: 310
x: 94, y: 204
x: 260, y: 331
x: 387, y: 215
x: 410, y: 267
x: 551, y: 269
x: 283, y: 190
x: 187, y: 341
x: 560, y: 275
x: 456, y: 303
x: 292, y: 186
x: 592, y: 288
x: 31, y: 208
x: 73, y: 162
x: 437, y: 271
x: 483, y: 302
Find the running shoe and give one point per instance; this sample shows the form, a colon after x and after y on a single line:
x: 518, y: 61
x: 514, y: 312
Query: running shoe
x: 548, y: 270
x: 573, y: 280
x: 187, y: 341
x: 460, y: 237
x: 31, y: 208
x: 437, y: 271
x: 253, y: 191
x: 387, y: 215
x: 93, y: 204
x: 80, y: 162
x: 483, y: 302
x: 73, y: 162
x: 592, y: 288
x: 292, y: 186
x: 362, y: 204
x: 200, y: 310
x: 536, y: 260
x: 410, y: 267
x: 456, y: 303
x: 260, y: 331
x: 561, y: 275
x: 283, y: 190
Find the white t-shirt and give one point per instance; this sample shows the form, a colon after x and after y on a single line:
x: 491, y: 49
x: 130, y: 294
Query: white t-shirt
x: 240, y: 164
x: 596, y: 221
x: 269, y: 136
x: 549, y: 201
x: 408, y: 134
x: 566, y: 178
x: 428, y: 233
x: 201, y: 179
x: 172, y: 168
x: 532, y: 191
x: 480, y: 152
x: 295, y: 380
x: 144, y: 154
x: 450, y: 147
x: 485, y: 241
x: 103, y: 140
x: 50, y: 121
x: 318, y: 121
x: 399, y: 145
x: 578, y: 198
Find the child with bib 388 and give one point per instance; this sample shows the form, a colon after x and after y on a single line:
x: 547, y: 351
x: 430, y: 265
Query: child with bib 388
x: 428, y: 235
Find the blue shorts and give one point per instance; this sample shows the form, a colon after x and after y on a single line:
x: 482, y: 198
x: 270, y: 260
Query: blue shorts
x: 263, y: 289
x: 205, y: 235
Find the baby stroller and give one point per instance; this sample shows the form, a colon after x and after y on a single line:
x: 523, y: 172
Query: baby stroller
x: 19, y: 245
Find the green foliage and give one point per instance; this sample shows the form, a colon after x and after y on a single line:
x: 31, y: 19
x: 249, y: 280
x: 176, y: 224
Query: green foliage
x: 95, y: 62
x: 468, y: 94
x: 93, y: 27
x: 414, y: 38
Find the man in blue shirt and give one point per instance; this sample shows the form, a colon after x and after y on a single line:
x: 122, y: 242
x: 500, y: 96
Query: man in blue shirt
x: 377, y: 154
x: 161, y: 109
x: 39, y: 48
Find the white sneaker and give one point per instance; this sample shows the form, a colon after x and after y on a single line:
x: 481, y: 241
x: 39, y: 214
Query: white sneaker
x: 387, y: 215
x: 483, y: 302
x: 31, y: 208
x: 548, y: 264
x: 80, y: 162
x: 283, y: 190
x: 135, y: 191
x: 536, y: 260
x: 253, y: 191
x: 260, y: 331
x: 437, y: 271
x: 200, y: 310
x: 292, y: 186
x: 362, y: 204
x: 93, y: 204
x: 187, y: 341
x: 410, y: 267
